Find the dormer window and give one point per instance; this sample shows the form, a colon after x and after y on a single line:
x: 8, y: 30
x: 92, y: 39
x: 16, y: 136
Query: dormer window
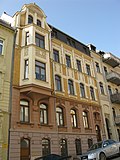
x: 30, y: 19
x: 38, y: 23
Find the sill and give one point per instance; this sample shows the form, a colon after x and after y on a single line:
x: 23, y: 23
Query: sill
x: 25, y: 123
x: 41, y: 80
x: 45, y: 125
x: 25, y: 79
x: 62, y: 126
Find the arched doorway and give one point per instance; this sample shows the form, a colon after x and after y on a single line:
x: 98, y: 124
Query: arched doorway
x: 98, y: 134
x: 25, y: 149
x: 108, y: 127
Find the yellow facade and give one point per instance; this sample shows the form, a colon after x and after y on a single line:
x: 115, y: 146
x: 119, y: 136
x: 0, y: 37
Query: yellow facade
x: 7, y: 39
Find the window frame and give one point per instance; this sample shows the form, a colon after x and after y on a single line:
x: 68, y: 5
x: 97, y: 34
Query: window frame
x: 38, y: 23
x: 39, y: 40
x: 73, y: 118
x: 78, y: 146
x: 71, y: 87
x: 97, y: 67
x: 85, y: 119
x: 79, y: 67
x: 92, y: 93
x: 64, y: 147
x: 101, y: 88
x: 43, y: 114
x: 26, y: 68
x: 56, y: 56
x: 58, y: 83
x: 30, y: 19
x: 82, y: 90
x: 59, y: 116
x: 46, y: 147
x: 88, y: 70
x: 40, y: 76
x: 23, y: 113
x: 1, y: 46
x: 68, y: 61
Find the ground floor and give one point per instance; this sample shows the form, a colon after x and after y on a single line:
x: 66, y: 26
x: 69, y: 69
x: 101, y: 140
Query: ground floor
x: 29, y: 145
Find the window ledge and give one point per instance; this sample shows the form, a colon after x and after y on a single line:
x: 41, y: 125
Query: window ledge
x: 62, y: 126
x: 25, y: 123
x: 45, y: 125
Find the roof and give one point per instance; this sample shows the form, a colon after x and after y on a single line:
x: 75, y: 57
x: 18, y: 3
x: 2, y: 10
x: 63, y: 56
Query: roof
x: 7, y: 25
x: 69, y: 40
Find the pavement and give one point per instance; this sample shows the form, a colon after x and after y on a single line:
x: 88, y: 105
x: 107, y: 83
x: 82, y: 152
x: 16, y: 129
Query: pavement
x: 117, y: 158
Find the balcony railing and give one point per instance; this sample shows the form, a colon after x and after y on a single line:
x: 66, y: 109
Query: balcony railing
x: 113, y: 77
x: 117, y: 120
x: 111, y: 59
x: 115, y: 98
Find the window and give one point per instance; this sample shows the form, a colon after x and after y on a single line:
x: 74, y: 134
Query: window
x: 45, y: 147
x: 56, y: 55
x: 85, y: 120
x: 38, y: 23
x: 40, y: 71
x: 26, y: 38
x: 24, y: 111
x: 70, y: 87
x: 73, y: 118
x: 26, y: 69
x: 59, y: 115
x: 105, y: 71
x: 43, y: 114
x: 79, y: 65
x: 68, y: 61
x: 114, y: 114
x: 63, y: 146
x: 68, y: 41
x: 82, y: 90
x: 110, y: 90
x: 30, y: 19
x: 92, y: 93
x: 24, y: 148
x: 98, y: 134
x: 116, y: 90
x: 97, y: 67
x: 39, y: 40
x: 88, y: 69
x: 101, y: 88
x: 78, y: 146
x: 90, y: 143
x: 1, y: 47
x: 58, y: 83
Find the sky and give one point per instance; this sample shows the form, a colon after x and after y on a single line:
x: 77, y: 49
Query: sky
x: 94, y: 22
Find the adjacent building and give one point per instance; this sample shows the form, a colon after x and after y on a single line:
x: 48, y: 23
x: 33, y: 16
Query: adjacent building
x: 7, y: 34
x: 107, y: 68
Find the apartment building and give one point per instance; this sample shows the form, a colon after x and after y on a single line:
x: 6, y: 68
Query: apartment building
x: 6, y: 58
x: 107, y: 68
x: 55, y: 102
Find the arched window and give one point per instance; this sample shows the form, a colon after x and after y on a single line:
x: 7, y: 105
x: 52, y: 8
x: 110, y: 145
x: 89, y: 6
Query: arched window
x: 98, y: 133
x: 59, y: 115
x: 38, y: 23
x: 58, y: 83
x: 30, y: 19
x: 43, y: 114
x: 101, y: 88
x: 63, y: 146
x: 70, y: 87
x: 85, y: 119
x: 45, y: 147
x: 82, y: 90
x: 90, y: 142
x: 24, y: 149
x: 73, y: 118
x: 92, y: 93
x: 78, y: 146
x: 24, y: 111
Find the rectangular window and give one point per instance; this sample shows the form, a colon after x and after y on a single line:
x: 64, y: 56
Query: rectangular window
x: 40, y: 70
x: 56, y: 55
x: 26, y: 69
x: 88, y: 69
x: 68, y: 61
x: 105, y: 71
x: 39, y: 40
x: 79, y: 65
x: 1, y: 47
x: 24, y: 112
x: 97, y: 67
x: 26, y: 38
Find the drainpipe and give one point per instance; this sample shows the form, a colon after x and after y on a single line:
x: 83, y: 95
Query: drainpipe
x: 10, y: 98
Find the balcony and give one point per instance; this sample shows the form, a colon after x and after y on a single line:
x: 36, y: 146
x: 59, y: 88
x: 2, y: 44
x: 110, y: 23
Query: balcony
x: 111, y: 59
x: 117, y: 120
x: 113, y: 77
x: 115, y: 98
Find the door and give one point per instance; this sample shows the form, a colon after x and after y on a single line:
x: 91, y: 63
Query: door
x: 25, y: 149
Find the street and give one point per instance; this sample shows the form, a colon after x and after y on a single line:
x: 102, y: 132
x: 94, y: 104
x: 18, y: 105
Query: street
x: 117, y: 158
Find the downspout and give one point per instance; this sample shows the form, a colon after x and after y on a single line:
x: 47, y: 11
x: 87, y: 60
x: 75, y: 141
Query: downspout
x: 10, y: 98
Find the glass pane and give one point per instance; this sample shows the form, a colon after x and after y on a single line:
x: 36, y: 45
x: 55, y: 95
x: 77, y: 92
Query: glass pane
x: 25, y: 103
x: 21, y: 114
x: 26, y: 114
